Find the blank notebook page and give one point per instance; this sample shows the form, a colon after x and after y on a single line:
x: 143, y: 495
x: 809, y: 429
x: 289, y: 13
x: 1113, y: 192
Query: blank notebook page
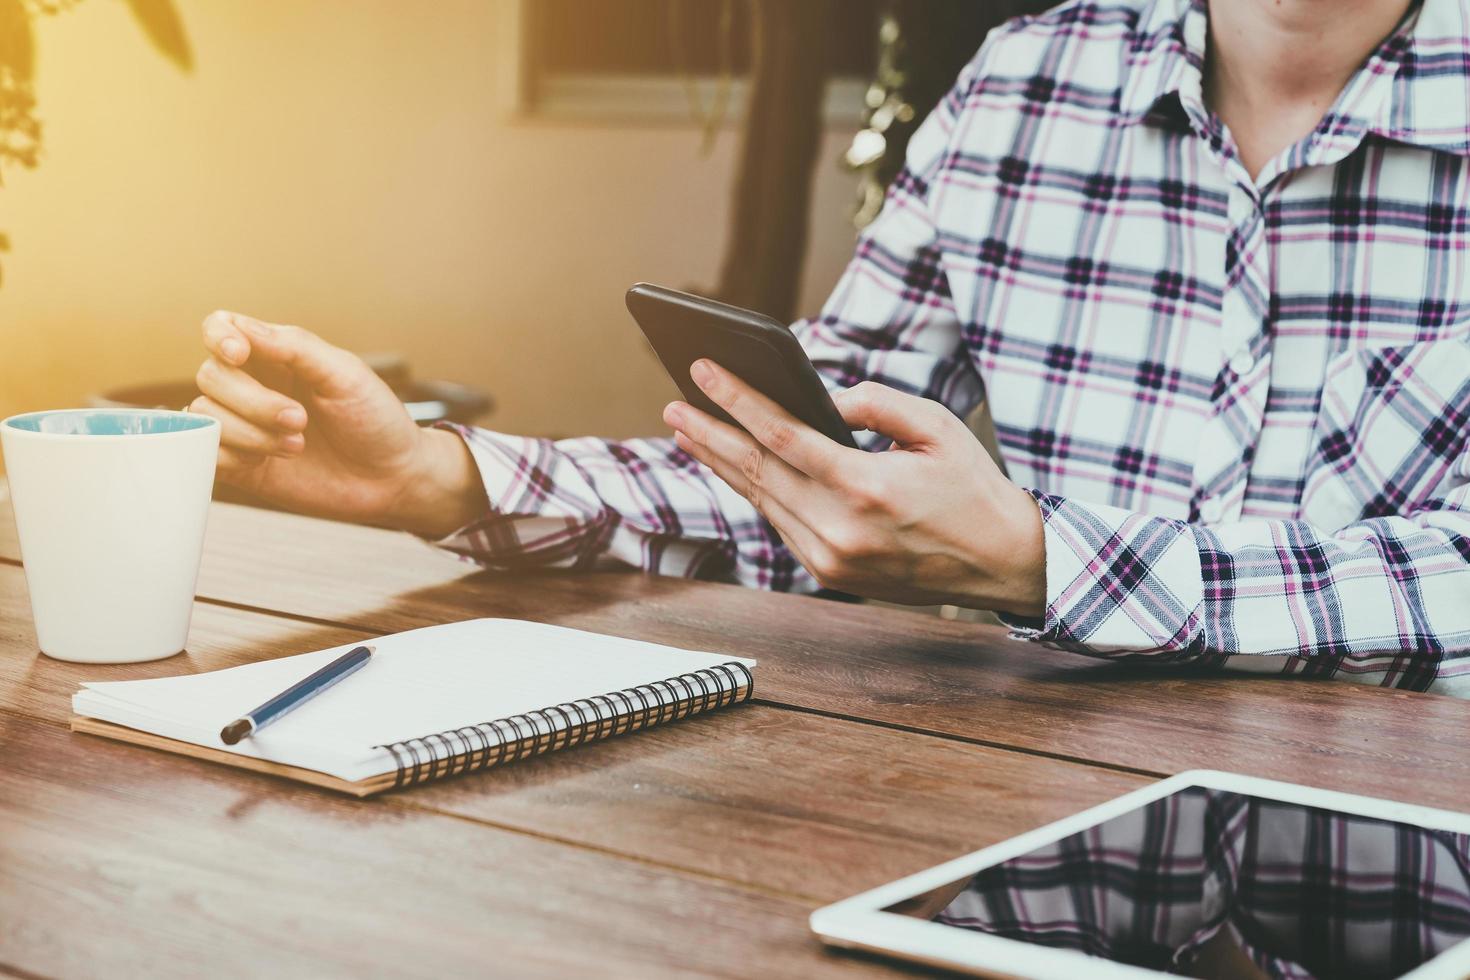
x: 418, y: 683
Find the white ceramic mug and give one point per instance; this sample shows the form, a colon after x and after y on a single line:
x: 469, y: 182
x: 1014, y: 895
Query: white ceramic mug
x: 110, y: 505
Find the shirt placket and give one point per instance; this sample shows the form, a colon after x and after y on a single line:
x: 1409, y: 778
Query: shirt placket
x: 1238, y: 397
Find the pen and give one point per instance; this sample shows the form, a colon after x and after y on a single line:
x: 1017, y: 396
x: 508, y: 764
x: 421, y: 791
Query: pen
x: 296, y: 695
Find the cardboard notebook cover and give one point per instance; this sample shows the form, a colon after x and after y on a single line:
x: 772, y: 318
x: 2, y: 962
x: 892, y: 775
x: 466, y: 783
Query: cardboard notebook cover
x: 106, y: 729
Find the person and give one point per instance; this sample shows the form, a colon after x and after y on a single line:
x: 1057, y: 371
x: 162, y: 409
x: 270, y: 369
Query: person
x: 1206, y: 260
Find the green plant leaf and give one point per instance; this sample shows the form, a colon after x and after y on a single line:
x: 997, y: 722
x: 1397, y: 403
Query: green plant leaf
x: 17, y: 48
x: 160, y: 21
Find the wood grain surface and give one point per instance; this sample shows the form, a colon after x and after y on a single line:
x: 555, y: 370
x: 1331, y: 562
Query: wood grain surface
x: 875, y: 664
x: 882, y: 741
x: 793, y: 794
x: 121, y: 862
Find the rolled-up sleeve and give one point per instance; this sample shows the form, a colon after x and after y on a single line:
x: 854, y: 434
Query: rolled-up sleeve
x: 1386, y: 599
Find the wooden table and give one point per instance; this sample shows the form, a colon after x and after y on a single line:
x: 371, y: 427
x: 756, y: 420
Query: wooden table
x: 880, y: 742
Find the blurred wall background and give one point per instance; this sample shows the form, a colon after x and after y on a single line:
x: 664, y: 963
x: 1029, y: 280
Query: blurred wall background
x: 346, y: 165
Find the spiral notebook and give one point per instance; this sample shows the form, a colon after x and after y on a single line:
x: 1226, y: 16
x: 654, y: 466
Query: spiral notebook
x: 434, y: 702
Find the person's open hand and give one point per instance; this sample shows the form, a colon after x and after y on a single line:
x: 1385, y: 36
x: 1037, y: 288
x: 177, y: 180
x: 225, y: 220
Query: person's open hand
x: 311, y: 427
x: 933, y: 520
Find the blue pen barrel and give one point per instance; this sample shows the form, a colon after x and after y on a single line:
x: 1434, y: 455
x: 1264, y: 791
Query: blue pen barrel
x: 296, y: 695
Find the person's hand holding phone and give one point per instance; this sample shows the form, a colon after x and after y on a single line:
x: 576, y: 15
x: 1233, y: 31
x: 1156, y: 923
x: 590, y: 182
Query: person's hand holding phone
x: 309, y: 426
x: 933, y: 520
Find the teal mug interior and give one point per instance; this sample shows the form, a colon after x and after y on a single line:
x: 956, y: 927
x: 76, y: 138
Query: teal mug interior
x: 107, y: 422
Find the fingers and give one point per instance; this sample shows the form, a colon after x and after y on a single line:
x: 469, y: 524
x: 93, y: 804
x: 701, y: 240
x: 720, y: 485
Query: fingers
x: 768, y: 505
x: 802, y: 541
x: 230, y: 345
x: 907, y: 419
x: 245, y: 396
x: 750, y: 470
x: 225, y: 340
x: 237, y: 467
x: 755, y: 472
x: 243, y: 436
x: 793, y: 441
x: 329, y: 371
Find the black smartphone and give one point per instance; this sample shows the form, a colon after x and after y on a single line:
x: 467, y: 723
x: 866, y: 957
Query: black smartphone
x: 682, y: 328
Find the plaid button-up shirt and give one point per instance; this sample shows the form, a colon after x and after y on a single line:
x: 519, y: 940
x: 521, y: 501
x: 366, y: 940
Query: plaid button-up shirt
x: 1242, y: 403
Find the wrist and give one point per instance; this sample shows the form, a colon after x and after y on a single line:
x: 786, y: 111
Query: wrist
x: 444, y: 491
x: 1019, y: 583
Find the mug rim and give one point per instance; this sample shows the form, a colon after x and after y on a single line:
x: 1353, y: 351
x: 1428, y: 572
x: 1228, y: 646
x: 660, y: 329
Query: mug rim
x: 9, y: 427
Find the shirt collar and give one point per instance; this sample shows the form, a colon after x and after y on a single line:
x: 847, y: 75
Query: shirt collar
x: 1429, y: 104
x: 1161, y: 60
x: 1415, y: 88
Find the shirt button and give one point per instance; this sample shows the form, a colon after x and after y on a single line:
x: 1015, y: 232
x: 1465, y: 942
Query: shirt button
x: 1211, y: 510
x: 1241, y: 362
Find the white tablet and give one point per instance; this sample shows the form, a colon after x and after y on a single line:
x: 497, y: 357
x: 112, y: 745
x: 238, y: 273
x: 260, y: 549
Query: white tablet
x: 1207, y: 874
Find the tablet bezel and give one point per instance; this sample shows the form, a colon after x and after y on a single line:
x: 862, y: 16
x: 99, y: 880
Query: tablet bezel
x: 860, y: 922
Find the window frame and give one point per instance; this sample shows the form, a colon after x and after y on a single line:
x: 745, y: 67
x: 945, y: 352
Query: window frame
x: 622, y: 98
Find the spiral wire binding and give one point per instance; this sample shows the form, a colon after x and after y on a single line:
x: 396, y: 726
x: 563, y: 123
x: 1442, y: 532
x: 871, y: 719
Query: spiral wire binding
x: 493, y: 743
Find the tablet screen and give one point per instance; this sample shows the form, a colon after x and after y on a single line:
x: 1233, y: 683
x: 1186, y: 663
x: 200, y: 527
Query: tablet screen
x: 1209, y: 883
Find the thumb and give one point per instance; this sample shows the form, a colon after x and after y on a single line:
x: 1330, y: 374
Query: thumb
x: 906, y: 419
x: 327, y: 370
